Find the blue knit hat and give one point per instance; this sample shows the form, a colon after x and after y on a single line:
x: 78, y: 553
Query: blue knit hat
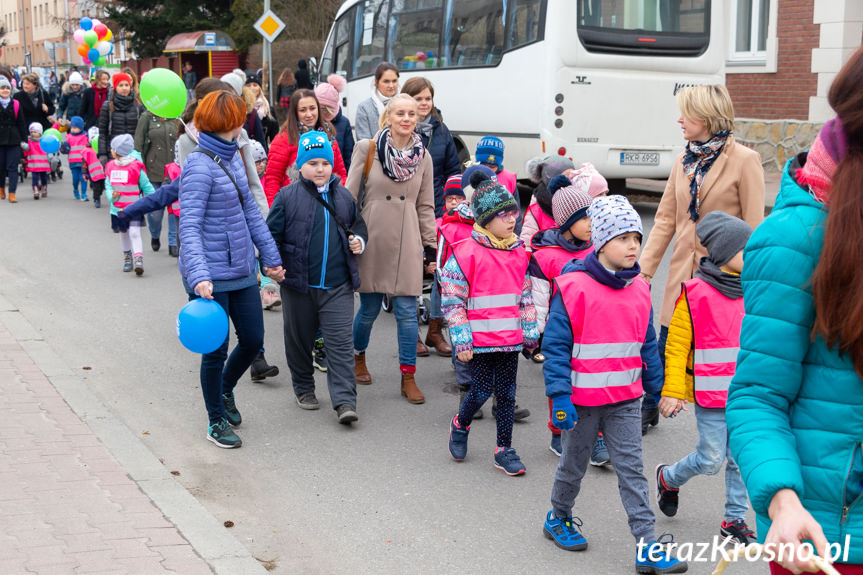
x: 77, y: 122
x: 314, y: 145
x: 466, y: 176
x: 489, y: 199
x: 612, y: 216
x: 489, y: 150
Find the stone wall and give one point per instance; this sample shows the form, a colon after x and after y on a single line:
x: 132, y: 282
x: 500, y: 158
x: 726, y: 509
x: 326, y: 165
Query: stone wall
x: 776, y: 140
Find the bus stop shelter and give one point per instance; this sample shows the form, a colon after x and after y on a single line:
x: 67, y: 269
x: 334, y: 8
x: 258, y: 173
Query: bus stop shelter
x: 211, y: 52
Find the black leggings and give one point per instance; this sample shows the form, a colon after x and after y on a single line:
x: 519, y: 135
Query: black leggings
x: 10, y: 156
x: 492, y: 373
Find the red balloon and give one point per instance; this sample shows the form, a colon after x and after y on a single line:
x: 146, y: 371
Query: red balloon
x: 101, y: 30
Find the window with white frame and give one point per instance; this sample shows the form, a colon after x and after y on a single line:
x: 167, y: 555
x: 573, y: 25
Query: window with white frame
x: 749, y: 29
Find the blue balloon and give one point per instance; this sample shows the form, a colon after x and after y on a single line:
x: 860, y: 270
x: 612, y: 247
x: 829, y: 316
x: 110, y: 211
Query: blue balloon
x: 86, y: 23
x: 49, y: 144
x: 93, y: 55
x: 202, y: 325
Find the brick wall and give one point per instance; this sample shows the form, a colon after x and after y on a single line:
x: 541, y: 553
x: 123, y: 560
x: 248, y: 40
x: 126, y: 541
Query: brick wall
x: 784, y: 94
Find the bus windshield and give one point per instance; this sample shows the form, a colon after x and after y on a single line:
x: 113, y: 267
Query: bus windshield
x: 645, y: 27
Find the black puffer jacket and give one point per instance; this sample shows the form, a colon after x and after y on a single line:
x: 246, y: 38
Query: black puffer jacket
x: 123, y: 120
x: 13, y: 130
x: 35, y: 113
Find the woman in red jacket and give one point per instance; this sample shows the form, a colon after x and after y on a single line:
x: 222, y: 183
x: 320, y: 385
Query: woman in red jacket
x: 303, y: 116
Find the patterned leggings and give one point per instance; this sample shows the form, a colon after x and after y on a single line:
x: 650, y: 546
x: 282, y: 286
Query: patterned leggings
x: 492, y: 373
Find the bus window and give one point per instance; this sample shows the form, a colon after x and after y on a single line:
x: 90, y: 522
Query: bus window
x: 415, y: 26
x: 475, y: 34
x: 342, y: 42
x: 525, y: 24
x: 370, y: 36
x: 647, y: 27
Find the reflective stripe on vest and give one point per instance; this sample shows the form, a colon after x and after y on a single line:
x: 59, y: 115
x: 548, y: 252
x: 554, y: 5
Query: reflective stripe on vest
x: 37, y: 159
x: 608, y: 331
x: 77, y: 144
x: 495, y: 282
x: 124, y: 181
x: 716, y: 322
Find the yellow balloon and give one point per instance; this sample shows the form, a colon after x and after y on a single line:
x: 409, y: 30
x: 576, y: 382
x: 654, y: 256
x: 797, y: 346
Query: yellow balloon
x: 108, y: 36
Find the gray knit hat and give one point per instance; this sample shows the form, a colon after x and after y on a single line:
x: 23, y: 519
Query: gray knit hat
x: 123, y: 144
x: 722, y: 235
x: 4, y: 82
x: 235, y: 82
x: 612, y: 216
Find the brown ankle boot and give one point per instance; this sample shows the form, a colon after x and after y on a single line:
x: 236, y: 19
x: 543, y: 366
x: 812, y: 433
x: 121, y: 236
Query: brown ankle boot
x: 422, y: 350
x: 410, y: 389
x: 44, y: 191
x: 435, y: 339
x: 2, y: 193
x: 361, y: 372
x: 12, y: 199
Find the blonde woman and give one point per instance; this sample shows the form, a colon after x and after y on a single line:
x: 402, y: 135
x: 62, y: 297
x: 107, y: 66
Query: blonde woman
x: 714, y: 173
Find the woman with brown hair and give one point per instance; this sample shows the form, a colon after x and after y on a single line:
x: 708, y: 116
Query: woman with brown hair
x: 795, y: 403
x: 35, y: 104
x: 304, y: 116
x: 284, y: 90
x: 385, y: 86
x: 713, y: 173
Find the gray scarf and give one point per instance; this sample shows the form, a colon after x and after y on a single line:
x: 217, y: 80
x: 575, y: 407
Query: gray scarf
x: 727, y: 284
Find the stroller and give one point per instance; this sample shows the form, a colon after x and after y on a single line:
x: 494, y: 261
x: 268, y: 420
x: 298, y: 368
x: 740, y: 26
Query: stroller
x: 423, y: 301
x: 56, y: 167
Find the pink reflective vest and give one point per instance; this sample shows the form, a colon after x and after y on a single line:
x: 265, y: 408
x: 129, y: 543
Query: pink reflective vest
x: 543, y: 220
x: 495, y: 283
x: 449, y: 234
x: 77, y: 143
x: 552, y: 259
x: 124, y: 181
x: 716, y: 322
x: 94, y: 166
x: 172, y: 172
x: 37, y: 159
x: 609, y: 327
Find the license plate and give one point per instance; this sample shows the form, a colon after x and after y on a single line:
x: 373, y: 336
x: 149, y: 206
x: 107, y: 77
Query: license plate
x: 639, y: 158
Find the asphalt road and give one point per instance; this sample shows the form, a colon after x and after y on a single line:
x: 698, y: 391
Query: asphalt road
x: 382, y: 496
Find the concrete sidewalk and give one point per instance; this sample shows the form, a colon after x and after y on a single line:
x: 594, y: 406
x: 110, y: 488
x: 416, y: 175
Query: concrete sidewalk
x: 68, y: 502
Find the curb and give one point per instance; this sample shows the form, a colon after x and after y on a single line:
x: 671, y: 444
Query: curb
x: 221, y: 550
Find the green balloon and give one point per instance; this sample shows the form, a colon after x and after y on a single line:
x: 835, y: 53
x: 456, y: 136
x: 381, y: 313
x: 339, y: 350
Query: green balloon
x: 163, y: 93
x: 90, y: 37
x: 56, y: 133
x: 95, y: 144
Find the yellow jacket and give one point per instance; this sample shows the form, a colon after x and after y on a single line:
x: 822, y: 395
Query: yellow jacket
x: 679, y: 355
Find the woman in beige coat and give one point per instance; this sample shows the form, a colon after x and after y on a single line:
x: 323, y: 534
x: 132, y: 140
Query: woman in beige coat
x: 714, y: 173
x: 398, y: 207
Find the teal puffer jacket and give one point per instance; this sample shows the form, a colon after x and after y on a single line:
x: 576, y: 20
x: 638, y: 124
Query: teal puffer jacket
x: 795, y: 407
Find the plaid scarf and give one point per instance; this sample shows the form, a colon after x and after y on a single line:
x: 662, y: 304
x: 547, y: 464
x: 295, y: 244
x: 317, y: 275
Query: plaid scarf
x: 697, y: 162
x: 399, y: 165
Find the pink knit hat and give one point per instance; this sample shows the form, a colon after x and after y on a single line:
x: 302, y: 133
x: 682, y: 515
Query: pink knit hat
x: 587, y: 178
x: 328, y: 92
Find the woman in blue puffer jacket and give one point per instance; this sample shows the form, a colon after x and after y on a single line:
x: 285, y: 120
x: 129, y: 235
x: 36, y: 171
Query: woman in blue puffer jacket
x: 795, y: 406
x: 435, y: 136
x: 219, y: 230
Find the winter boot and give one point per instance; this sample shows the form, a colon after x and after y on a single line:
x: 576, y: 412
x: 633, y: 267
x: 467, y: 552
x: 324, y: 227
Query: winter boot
x: 139, y: 265
x: 410, y: 389
x: 35, y: 193
x: 260, y: 369
x: 12, y: 198
x: 435, y: 339
x: 127, y: 261
x: 44, y: 191
x: 361, y: 372
x: 422, y: 350
x: 2, y: 193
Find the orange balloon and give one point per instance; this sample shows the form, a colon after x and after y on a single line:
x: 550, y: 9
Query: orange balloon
x: 83, y: 49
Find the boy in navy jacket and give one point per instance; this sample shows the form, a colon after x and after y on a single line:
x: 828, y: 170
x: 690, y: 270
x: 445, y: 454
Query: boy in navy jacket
x: 319, y: 233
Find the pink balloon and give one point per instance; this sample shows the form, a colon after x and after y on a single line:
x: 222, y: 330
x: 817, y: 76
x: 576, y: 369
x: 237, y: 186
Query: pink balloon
x: 78, y: 36
x: 86, y: 61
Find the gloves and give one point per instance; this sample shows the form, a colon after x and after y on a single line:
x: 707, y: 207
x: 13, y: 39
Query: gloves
x: 65, y: 148
x: 563, y: 415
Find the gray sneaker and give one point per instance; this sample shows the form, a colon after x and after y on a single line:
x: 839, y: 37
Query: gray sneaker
x: 347, y: 414
x: 308, y: 401
x: 127, y: 261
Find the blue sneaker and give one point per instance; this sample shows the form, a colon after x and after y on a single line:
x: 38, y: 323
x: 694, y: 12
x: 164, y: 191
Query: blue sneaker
x: 231, y: 413
x: 599, y: 457
x: 222, y: 435
x: 665, y: 562
x: 555, y: 446
x: 458, y: 440
x: 564, y: 533
x: 508, y: 461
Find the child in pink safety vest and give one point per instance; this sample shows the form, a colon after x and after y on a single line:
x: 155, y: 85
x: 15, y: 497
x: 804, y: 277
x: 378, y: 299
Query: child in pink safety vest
x: 37, y: 162
x: 485, y: 294
x: 538, y: 215
x: 75, y: 144
x: 93, y: 171
x: 489, y: 153
x: 601, y: 352
x: 700, y: 360
x: 126, y: 181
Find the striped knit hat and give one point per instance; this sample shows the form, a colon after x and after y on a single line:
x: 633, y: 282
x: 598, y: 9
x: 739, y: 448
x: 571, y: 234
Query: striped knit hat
x: 612, y: 216
x: 489, y: 199
x: 569, y: 204
x: 452, y: 187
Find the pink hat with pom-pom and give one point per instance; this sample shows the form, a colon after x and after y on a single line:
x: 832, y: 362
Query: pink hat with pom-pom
x: 328, y: 92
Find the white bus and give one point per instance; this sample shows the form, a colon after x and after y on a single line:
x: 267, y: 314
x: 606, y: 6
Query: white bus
x: 593, y: 80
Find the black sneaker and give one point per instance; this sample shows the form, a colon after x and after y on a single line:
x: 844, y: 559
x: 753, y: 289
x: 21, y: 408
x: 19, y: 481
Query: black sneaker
x: 155, y: 243
x: 319, y: 356
x: 738, y: 531
x: 347, y: 414
x: 519, y: 414
x: 260, y: 369
x: 231, y: 414
x: 308, y: 401
x: 666, y: 497
x: 222, y: 435
x: 649, y: 417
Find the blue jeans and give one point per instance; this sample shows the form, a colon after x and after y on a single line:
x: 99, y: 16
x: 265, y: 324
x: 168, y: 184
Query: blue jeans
x: 154, y: 219
x: 172, y: 230
x: 712, y: 448
x: 78, y: 180
x: 218, y: 376
x: 405, y: 310
x: 435, y: 312
x: 652, y: 401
